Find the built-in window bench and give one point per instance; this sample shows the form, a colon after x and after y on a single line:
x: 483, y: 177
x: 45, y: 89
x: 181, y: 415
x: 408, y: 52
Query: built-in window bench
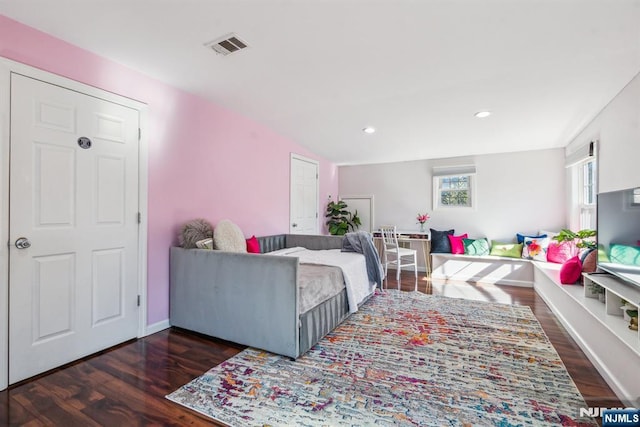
x: 484, y: 269
x: 597, y: 327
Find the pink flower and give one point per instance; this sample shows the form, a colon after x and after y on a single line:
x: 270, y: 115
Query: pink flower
x: 422, y: 218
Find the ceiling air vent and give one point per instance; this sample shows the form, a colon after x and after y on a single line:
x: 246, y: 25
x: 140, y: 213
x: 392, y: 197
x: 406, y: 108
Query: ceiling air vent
x: 227, y: 44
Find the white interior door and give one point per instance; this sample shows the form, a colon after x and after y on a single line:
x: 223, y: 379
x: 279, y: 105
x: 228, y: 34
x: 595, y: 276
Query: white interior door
x: 304, y: 196
x: 73, y: 282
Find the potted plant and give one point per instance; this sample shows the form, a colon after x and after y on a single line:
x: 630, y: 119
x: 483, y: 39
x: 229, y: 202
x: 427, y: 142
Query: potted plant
x: 340, y: 220
x: 585, y: 242
x: 593, y: 290
x: 584, y: 239
x: 633, y: 319
x: 626, y: 308
x: 602, y: 296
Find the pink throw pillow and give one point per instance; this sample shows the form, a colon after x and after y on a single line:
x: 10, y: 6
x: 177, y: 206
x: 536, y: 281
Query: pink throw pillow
x: 570, y: 271
x: 560, y: 252
x: 253, y: 246
x: 457, y: 245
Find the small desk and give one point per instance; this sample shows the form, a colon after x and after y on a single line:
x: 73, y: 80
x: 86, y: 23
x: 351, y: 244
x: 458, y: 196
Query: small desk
x: 411, y: 237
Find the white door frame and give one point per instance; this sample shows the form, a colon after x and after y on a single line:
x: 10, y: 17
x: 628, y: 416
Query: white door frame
x: 293, y: 157
x: 7, y: 67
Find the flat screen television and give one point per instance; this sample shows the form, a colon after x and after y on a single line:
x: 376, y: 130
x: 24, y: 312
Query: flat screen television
x: 619, y: 234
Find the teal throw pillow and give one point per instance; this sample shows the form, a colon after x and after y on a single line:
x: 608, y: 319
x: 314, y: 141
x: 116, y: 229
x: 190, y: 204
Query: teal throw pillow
x: 624, y: 254
x: 476, y: 247
x: 509, y: 250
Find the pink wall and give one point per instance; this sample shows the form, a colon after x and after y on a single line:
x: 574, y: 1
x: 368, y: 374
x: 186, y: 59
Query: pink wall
x: 204, y: 161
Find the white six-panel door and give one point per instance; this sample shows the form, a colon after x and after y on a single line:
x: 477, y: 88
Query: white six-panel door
x: 304, y: 196
x: 73, y: 289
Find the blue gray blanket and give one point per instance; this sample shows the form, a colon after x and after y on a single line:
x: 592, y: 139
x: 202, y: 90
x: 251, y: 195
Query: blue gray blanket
x: 362, y: 242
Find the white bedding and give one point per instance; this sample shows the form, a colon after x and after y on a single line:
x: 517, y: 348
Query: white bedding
x: 352, y: 264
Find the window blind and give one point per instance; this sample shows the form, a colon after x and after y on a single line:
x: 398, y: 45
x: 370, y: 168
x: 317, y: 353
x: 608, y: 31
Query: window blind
x: 583, y: 153
x: 454, y: 170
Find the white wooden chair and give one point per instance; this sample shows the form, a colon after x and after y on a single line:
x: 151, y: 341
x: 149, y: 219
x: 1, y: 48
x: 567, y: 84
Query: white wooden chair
x: 396, y: 255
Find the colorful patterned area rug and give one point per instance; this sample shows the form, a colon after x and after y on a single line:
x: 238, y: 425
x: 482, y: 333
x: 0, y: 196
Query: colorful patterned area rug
x: 404, y: 359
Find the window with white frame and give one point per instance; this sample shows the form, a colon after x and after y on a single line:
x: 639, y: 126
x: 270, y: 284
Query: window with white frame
x: 454, y: 187
x: 582, y: 165
x: 588, y: 191
x: 635, y: 198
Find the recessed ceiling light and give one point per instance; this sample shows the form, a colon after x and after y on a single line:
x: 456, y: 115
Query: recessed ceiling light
x: 369, y: 129
x: 482, y: 114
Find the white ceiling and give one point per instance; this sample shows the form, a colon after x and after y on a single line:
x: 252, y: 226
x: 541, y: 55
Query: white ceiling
x: 318, y: 71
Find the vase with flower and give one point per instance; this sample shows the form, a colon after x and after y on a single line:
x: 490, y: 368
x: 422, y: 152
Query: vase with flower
x: 422, y: 218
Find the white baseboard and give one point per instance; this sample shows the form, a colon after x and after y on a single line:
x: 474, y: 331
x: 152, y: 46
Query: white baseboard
x: 481, y: 280
x: 420, y: 269
x: 156, y: 327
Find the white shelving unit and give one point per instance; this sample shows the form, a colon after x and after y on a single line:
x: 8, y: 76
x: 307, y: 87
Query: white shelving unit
x: 598, y: 327
x: 609, y: 312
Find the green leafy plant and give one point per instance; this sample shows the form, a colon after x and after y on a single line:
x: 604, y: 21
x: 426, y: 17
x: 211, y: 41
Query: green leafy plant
x: 339, y: 220
x: 583, y: 238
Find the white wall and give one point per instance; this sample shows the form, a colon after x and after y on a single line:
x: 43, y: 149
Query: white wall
x: 516, y: 192
x: 617, y: 128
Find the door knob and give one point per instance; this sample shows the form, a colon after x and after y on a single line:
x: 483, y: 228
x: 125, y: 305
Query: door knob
x: 294, y: 225
x: 23, y: 243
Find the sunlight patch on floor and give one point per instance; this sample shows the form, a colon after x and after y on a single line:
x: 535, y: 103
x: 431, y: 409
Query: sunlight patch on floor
x: 471, y: 291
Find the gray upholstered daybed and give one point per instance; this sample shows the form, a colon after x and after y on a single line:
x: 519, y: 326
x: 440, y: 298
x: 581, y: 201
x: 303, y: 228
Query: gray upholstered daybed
x: 253, y: 299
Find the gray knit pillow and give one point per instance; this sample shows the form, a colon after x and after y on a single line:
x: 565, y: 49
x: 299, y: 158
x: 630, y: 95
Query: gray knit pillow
x: 228, y: 237
x: 194, y: 231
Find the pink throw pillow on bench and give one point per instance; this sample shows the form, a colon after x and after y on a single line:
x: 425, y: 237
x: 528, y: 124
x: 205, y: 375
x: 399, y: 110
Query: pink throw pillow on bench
x: 571, y: 271
x: 560, y: 252
x: 457, y: 245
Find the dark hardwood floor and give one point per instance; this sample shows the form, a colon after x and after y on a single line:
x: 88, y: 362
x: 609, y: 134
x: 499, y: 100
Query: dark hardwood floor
x: 126, y: 385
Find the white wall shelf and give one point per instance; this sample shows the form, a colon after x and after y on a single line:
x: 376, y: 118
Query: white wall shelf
x: 609, y: 312
x: 598, y: 327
